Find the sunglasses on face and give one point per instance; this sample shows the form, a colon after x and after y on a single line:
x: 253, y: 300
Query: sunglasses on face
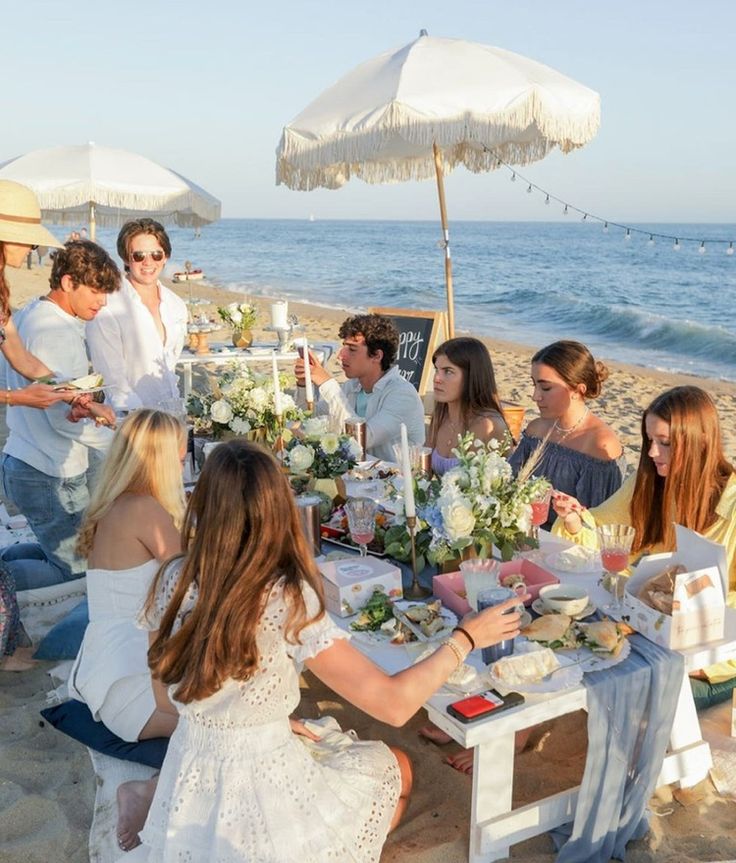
x: 139, y: 257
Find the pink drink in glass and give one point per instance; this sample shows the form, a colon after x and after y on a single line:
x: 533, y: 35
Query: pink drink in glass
x: 540, y: 511
x: 362, y: 538
x: 614, y: 559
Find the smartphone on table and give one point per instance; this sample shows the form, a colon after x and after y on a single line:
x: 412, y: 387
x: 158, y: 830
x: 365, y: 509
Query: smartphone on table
x: 486, y: 703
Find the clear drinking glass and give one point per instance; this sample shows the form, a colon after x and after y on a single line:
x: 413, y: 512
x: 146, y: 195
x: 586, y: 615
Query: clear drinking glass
x: 615, y: 542
x: 361, y: 512
x: 478, y: 574
x: 540, y: 511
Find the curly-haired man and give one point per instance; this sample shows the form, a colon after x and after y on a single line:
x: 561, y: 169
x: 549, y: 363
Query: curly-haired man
x: 374, y: 388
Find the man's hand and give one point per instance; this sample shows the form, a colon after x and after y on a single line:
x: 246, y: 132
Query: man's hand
x: 319, y: 372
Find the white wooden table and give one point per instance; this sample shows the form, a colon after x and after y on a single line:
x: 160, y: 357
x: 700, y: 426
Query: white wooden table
x: 494, y: 825
x: 257, y: 353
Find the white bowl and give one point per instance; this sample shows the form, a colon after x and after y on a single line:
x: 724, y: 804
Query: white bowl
x: 564, y: 598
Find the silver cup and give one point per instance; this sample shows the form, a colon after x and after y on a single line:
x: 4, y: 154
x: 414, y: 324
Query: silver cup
x: 309, y: 513
x: 355, y: 427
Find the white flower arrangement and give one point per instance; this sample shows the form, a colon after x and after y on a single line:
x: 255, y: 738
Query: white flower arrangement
x: 479, y: 503
x: 241, y: 402
x: 240, y: 316
x: 321, y: 453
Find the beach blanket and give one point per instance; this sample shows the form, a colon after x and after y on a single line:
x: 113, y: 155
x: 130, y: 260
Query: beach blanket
x: 631, y: 708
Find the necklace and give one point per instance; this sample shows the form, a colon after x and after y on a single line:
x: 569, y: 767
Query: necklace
x: 564, y: 432
x: 452, y: 439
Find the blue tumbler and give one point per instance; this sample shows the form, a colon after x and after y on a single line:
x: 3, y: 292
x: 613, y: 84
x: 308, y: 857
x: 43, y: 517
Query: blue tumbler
x: 488, y: 598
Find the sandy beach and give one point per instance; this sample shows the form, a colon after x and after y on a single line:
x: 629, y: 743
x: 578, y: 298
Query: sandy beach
x: 46, y: 779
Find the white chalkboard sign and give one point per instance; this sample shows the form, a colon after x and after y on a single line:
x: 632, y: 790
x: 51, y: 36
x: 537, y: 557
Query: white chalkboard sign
x: 420, y: 332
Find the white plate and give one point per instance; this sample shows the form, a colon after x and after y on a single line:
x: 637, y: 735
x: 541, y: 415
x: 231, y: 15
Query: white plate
x: 541, y: 608
x: 569, y: 675
x: 591, y: 661
x: 562, y: 561
x: 382, y: 639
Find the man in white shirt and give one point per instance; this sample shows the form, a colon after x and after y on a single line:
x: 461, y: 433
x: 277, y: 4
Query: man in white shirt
x: 135, y: 342
x: 374, y: 390
x: 44, y: 466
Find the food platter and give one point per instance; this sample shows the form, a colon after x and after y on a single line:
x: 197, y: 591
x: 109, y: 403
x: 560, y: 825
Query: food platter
x: 569, y: 674
x: 382, y: 638
x: 591, y: 660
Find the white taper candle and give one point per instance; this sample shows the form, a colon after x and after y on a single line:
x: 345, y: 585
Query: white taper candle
x: 410, y: 509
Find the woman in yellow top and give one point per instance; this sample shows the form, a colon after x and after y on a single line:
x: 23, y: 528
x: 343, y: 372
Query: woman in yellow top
x: 683, y: 477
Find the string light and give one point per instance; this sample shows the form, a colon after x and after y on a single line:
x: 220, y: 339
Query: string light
x: 629, y: 229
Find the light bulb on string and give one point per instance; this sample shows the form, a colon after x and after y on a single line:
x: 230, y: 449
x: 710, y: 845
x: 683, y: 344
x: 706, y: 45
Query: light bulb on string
x: 529, y: 189
x: 546, y: 200
x: 650, y: 241
x: 585, y: 217
x: 513, y: 177
x: 605, y: 228
x: 729, y: 250
x: 702, y: 248
x: 564, y: 212
x: 676, y: 247
x: 628, y: 234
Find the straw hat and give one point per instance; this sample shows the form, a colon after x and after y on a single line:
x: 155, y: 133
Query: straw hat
x: 20, y: 217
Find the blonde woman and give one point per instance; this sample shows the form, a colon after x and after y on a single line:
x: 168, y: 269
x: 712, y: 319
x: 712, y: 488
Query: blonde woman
x: 131, y: 527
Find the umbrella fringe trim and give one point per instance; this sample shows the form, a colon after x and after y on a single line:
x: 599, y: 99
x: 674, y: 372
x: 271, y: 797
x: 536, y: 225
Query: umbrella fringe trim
x: 305, y: 163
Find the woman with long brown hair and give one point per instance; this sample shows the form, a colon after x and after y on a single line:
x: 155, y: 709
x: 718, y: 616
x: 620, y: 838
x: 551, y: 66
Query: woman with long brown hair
x: 683, y: 477
x: 465, y: 399
x: 232, y: 623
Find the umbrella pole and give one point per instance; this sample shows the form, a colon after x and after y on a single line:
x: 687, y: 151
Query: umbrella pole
x: 446, y: 237
x: 92, y: 223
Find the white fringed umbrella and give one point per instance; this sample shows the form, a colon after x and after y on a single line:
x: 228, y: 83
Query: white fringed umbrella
x: 436, y: 103
x: 108, y: 186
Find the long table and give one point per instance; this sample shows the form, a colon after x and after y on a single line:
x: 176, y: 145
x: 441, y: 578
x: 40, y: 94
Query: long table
x: 494, y: 825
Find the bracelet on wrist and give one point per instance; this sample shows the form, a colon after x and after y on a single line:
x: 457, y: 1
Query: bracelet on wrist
x: 8, y: 398
x: 460, y: 655
x: 471, y: 640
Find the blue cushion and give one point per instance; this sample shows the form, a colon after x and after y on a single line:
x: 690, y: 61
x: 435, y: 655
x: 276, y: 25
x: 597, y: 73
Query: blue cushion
x: 64, y: 640
x: 75, y: 719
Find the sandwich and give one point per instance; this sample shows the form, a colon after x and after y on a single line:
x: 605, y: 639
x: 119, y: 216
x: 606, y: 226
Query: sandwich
x: 551, y: 630
x: 88, y: 382
x: 603, y: 636
x: 523, y: 668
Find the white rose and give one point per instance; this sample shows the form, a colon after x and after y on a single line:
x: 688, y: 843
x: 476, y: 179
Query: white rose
x: 458, y: 520
x: 330, y: 443
x: 240, y: 426
x: 315, y: 426
x: 301, y: 458
x: 233, y: 307
x: 221, y: 412
x: 259, y: 399
x: 287, y: 402
x: 236, y: 317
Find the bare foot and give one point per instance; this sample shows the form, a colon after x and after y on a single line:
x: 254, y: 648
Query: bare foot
x: 17, y: 663
x: 134, y: 801
x: 435, y: 734
x: 462, y: 761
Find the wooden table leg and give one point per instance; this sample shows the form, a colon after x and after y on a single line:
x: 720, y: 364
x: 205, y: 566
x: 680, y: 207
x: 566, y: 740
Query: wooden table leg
x: 493, y: 776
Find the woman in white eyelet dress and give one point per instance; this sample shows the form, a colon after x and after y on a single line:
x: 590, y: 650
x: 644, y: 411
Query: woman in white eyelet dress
x: 237, y: 786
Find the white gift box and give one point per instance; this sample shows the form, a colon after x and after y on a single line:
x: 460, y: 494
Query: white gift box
x: 349, y: 583
x: 698, y: 599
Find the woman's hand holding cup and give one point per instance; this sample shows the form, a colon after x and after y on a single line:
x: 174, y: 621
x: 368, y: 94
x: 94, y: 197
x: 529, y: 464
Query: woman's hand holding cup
x: 496, y: 624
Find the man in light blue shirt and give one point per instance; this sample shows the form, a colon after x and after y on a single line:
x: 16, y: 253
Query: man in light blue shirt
x: 374, y: 388
x: 44, y: 466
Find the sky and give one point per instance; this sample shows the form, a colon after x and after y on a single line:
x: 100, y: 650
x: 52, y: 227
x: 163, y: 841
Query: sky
x: 206, y: 87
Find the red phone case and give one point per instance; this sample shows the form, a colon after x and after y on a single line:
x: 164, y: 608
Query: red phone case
x: 477, y: 705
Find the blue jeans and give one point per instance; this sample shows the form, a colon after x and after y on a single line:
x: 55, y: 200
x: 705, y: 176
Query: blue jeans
x: 54, y: 507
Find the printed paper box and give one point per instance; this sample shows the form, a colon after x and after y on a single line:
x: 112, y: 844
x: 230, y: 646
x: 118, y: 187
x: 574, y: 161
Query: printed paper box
x: 698, y: 599
x: 349, y: 583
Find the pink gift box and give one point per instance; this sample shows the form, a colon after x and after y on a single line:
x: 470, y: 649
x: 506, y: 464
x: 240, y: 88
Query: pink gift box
x: 450, y: 587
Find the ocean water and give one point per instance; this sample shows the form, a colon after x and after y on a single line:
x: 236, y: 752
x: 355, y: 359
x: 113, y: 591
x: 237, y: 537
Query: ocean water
x: 528, y: 282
